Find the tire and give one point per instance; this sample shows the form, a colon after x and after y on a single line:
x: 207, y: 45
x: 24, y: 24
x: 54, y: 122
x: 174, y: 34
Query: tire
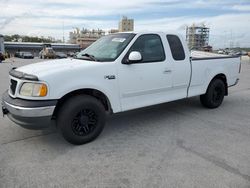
x: 81, y: 119
x: 214, y: 95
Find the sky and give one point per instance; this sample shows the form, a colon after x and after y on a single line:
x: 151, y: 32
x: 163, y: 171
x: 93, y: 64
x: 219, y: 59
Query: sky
x: 228, y: 20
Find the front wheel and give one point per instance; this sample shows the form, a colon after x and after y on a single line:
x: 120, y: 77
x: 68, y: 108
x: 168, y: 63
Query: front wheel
x: 81, y: 119
x: 214, y: 95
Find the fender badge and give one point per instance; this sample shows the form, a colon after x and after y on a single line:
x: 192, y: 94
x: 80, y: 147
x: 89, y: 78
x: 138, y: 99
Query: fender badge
x: 109, y: 77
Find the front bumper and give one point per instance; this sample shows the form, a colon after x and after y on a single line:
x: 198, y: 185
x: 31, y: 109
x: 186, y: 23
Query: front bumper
x: 27, y: 113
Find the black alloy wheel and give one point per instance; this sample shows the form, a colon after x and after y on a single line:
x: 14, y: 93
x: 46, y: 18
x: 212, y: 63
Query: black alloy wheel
x: 84, y: 122
x: 214, y: 95
x: 81, y: 119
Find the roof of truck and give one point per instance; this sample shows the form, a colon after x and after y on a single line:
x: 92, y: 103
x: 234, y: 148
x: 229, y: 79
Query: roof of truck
x: 147, y: 32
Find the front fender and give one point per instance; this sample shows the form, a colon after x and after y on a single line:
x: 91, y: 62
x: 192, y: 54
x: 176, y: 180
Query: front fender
x: 112, y: 97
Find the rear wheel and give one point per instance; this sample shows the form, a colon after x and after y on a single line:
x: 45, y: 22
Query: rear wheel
x: 214, y: 95
x: 81, y: 119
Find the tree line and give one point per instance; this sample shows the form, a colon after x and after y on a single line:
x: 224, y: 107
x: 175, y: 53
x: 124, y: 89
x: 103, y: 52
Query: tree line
x: 21, y: 38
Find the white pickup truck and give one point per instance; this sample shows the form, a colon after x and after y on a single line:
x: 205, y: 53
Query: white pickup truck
x: 119, y: 72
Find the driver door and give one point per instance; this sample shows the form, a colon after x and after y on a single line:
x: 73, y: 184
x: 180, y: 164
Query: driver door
x: 148, y: 81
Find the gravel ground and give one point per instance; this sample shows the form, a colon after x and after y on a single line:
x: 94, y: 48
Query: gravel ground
x: 177, y: 144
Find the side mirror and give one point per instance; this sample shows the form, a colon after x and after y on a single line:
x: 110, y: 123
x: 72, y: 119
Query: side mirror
x: 134, y: 57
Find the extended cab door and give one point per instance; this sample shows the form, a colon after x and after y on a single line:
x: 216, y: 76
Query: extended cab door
x: 146, y: 82
x: 181, y: 66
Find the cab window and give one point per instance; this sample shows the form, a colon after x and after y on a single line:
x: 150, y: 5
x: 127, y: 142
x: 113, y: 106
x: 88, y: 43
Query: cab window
x: 176, y: 47
x: 151, y: 48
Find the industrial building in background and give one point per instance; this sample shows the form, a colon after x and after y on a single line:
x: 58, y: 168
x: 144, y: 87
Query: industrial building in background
x: 85, y: 37
x: 126, y: 24
x: 111, y: 31
x: 197, y: 37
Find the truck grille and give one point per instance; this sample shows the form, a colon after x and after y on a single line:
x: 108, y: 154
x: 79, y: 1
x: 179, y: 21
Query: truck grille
x: 13, y: 84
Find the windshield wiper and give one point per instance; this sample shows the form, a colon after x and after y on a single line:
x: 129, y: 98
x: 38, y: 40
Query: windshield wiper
x: 90, y: 57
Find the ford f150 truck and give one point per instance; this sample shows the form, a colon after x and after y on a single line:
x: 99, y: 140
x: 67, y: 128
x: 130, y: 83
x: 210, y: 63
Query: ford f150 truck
x: 119, y: 72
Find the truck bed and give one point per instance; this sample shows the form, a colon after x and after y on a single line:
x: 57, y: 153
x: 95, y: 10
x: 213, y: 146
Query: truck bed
x: 206, y: 64
x: 200, y: 55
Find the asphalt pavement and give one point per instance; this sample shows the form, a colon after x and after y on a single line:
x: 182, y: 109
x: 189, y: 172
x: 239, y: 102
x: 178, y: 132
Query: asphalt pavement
x: 177, y: 144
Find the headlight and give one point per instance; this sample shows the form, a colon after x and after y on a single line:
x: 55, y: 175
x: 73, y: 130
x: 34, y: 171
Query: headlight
x: 34, y: 90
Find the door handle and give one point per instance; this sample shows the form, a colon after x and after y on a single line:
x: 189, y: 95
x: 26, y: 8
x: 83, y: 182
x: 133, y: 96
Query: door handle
x: 167, y: 71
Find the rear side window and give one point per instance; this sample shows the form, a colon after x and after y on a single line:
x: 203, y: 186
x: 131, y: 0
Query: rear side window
x: 176, y: 47
x: 151, y: 48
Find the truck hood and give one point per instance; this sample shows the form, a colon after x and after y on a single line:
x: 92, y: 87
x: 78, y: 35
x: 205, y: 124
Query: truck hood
x: 50, y: 67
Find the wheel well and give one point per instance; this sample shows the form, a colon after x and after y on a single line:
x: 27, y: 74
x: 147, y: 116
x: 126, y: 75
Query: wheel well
x: 224, y: 79
x: 92, y: 92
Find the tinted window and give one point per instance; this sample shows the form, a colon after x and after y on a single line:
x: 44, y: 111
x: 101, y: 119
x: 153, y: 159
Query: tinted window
x: 150, y: 47
x: 176, y: 47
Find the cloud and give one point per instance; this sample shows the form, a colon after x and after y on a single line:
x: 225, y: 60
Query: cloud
x: 48, y: 17
x: 223, y: 28
x: 8, y: 20
x: 241, y: 8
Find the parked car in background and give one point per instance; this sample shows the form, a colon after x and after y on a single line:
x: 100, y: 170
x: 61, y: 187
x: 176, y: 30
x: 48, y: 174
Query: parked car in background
x: 226, y: 51
x: 60, y: 55
x: 2, y: 58
x: 243, y: 52
x: 238, y: 53
x: 27, y: 55
x: 234, y: 52
x: 18, y: 54
x: 47, y: 53
x: 221, y: 52
x: 231, y: 52
x: 71, y: 54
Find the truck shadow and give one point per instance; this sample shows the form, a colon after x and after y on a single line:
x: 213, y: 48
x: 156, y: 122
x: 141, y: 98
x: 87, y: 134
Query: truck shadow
x: 147, y: 116
x: 135, y: 121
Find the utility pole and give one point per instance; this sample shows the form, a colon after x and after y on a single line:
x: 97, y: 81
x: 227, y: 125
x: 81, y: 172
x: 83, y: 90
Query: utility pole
x: 63, y: 33
x: 231, y: 40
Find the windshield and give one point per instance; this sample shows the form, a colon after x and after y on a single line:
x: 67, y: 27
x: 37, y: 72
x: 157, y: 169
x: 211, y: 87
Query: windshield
x: 107, y: 48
